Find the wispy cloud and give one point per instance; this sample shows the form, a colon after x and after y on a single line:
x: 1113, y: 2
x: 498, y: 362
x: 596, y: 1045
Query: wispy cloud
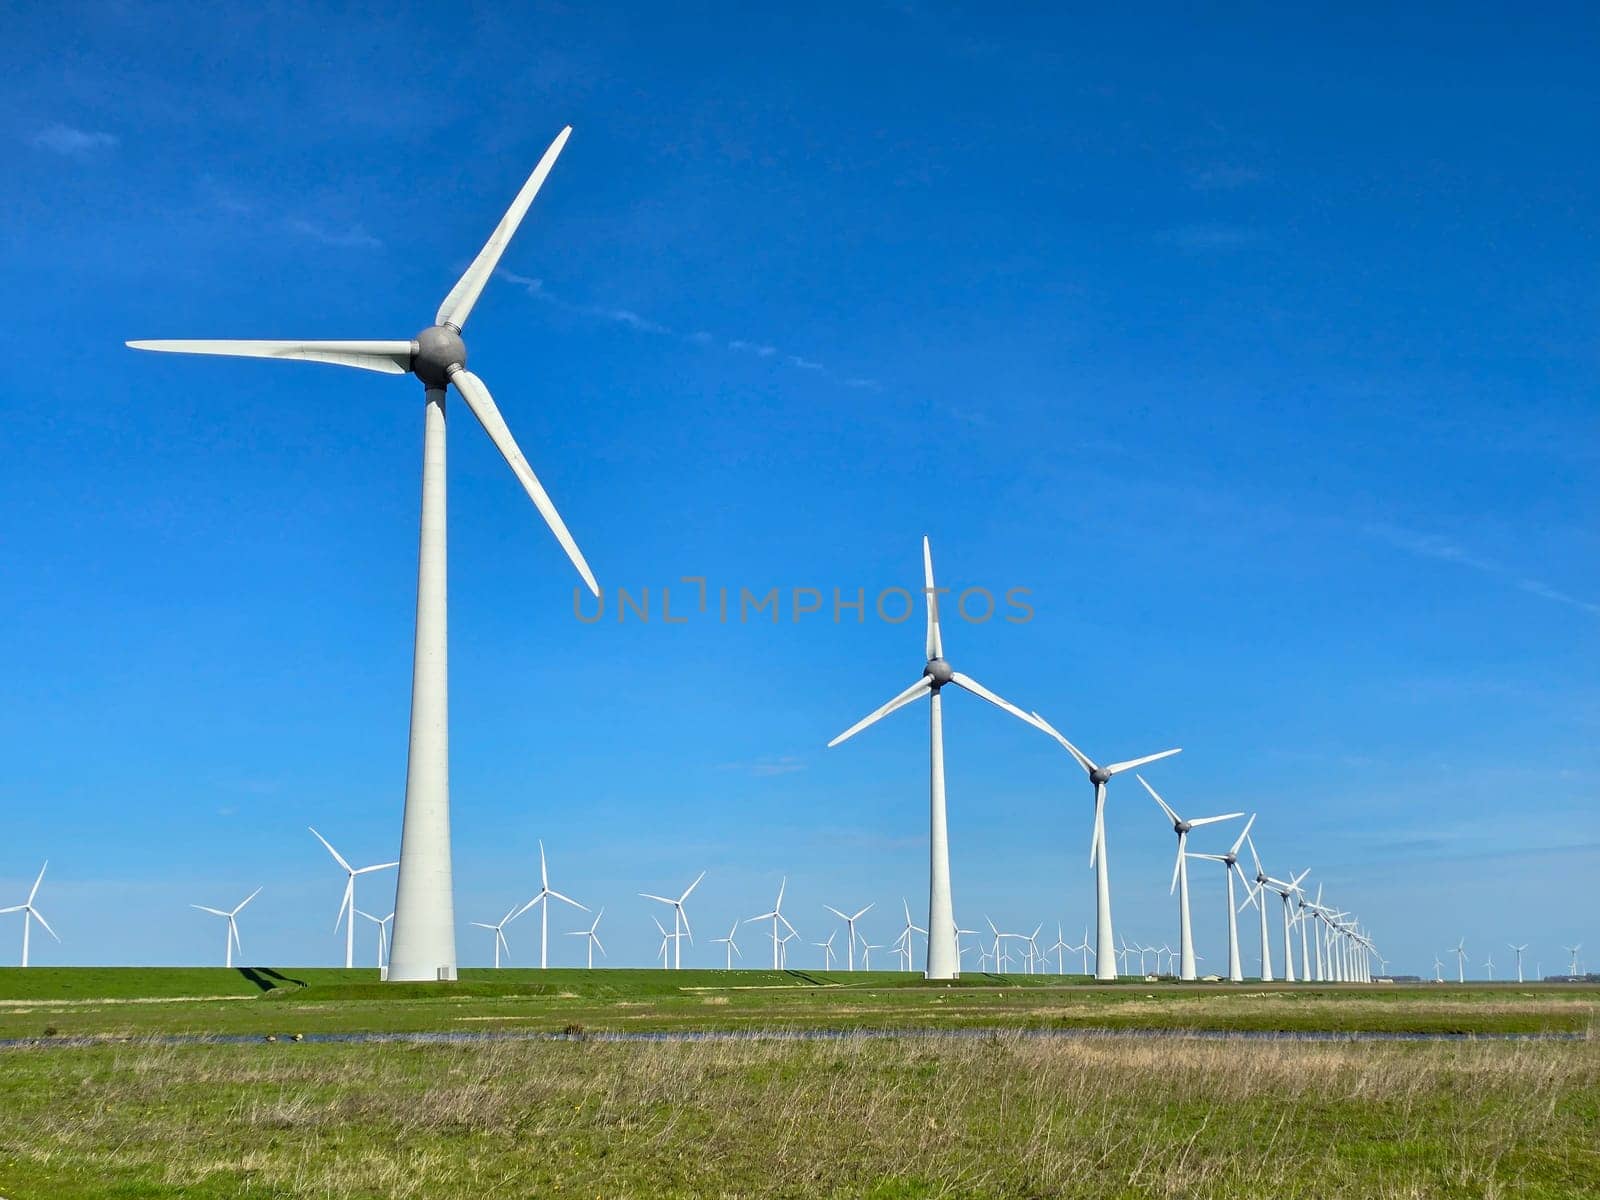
x: 766, y: 768
x: 70, y: 142
x: 353, y: 238
x: 1426, y: 545
x: 1223, y: 177
x: 1209, y: 238
x: 640, y: 323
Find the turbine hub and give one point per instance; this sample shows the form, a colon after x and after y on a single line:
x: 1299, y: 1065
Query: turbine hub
x: 939, y: 671
x: 1099, y: 776
x: 439, y: 347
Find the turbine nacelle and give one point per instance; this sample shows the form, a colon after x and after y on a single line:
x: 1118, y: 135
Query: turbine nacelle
x: 438, y: 348
x: 939, y: 671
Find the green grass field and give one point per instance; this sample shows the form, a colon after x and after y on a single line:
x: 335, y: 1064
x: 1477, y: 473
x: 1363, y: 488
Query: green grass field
x: 994, y: 1114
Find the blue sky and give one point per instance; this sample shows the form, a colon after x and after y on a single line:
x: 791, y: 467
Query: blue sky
x: 1261, y: 349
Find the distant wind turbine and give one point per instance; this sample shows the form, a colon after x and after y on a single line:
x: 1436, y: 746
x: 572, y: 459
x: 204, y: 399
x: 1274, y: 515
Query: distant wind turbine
x: 1461, y: 961
x: 1230, y: 867
x: 424, y: 933
x: 850, y: 924
x: 733, y: 946
x: 680, y: 919
x: 383, y: 935
x: 499, y: 928
x: 1517, y: 950
x: 827, y: 950
x: 776, y: 916
x: 1105, y: 966
x: 592, y: 936
x: 230, y: 915
x: 1180, y: 875
x: 546, y: 894
x: 348, y: 904
x: 943, y: 961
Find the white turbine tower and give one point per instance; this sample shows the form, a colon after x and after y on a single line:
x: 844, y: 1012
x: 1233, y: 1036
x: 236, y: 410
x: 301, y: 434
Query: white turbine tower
x: 424, y: 932
x: 733, y: 946
x: 1230, y: 867
x: 943, y: 961
x: 850, y: 925
x: 1059, y: 949
x: 348, y: 904
x: 665, y: 938
x: 230, y: 915
x: 593, y: 936
x: 775, y: 916
x: 546, y: 894
x: 1517, y: 950
x: 1286, y: 892
x: 1105, y: 948
x: 1180, y: 876
x: 1461, y: 961
x: 499, y: 928
x: 679, y: 917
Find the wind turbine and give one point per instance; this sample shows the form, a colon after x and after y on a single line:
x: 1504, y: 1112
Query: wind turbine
x: 1180, y: 875
x: 1461, y: 961
x: 665, y: 938
x: 231, y: 916
x: 775, y: 916
x: 1257, y: 897
x: 1489, y: 963
x: 499, y: 928
x: 912, y: 927
x: 594, y: 938
x: 827, y: 950
x: 733, y: 946
x: 1286, y: 893
x: 383, y: 934
x: 1230, y: 867
x: 347, y: 905
x: 850, y: 924
x: 1517, y: 950
x: 546, y: 894
x: 866, y: 954
x: 1571, y: 970
x: 679, y: 915
x: 943, y: 961
x: 1058, y: 950
x: 424, y: 932
x: 1438, y: 969
x: 1104, y: 944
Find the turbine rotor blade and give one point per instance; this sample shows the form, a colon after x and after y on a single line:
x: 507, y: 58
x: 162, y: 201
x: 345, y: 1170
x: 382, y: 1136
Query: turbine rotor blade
x: 935, y: 644
x: 34, y: 890
x: 482, y: 404
x: 916, y: 690
x: 246, y: 900
x: 337, y: 857
x: 968, y: 683
x: 1114, y: 768
x: 458, y: 304
x: 388, y: 357
x: 39, y: 917
x: 1083, y: 759
x: 202, y: 907
x: 1243, y: 833
x: 691, y: 887
x: 1177, y: 863
x: 1165, y: 807
x: 1099, y: 825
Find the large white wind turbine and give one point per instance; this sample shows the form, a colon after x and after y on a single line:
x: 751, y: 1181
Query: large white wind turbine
x: 499, y: 928
x: 1105, y: 949
x: 546, y: 894
x: 680, y: 918
x: 850, y: 925
x: 776, y: 916
x: 1230, y: 867
x: 230, y: 915
x: 1461, y: 960
x: 1180, y: 875
x: 943, y: 960
x: 1286, y: 891
x: 348, y: 904
x: 593, y: 936
x: 30, y: 914
x: 424, y: 932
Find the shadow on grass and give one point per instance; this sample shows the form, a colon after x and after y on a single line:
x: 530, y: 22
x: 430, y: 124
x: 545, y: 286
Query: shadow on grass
x: 268, y: 979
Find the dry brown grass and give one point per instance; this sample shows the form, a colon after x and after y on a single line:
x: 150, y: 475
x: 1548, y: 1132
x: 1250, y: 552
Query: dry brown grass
x: 998, y: 1116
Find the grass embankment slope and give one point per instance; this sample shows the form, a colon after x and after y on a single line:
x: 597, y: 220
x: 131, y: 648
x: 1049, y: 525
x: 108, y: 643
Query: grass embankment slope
x: 132, y: 1002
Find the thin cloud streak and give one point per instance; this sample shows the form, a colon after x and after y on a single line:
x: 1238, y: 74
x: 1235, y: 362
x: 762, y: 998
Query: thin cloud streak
x: 1425, y: 545
x: 354, y: 238
x: 69, y: 142
x: 700, y: 337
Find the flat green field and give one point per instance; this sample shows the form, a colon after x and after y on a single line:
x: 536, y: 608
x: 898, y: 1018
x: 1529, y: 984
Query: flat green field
x: 130, y: 1002
x: 996, y: 1113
